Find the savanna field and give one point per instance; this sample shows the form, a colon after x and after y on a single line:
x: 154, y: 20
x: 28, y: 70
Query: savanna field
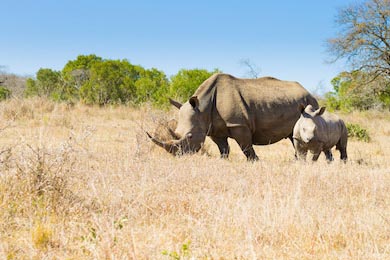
x: 84, y: 182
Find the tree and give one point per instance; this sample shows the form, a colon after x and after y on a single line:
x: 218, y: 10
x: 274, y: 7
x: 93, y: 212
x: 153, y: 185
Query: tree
x: 353, y: 90
x: 4, y: 93
x: 152, y: 86
x: 253, y: 70
x: 76, y: 73
x: 185, y: 82
x: 47, y: 84
x: 110, y: 81
x: 364, y: 37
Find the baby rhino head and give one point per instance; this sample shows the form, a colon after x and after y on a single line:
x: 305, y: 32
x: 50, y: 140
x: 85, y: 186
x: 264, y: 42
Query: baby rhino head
x: 306, y: 126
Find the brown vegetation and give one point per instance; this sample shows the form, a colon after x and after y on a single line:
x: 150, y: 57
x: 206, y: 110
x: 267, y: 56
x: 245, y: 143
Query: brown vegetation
x: 79, y: 182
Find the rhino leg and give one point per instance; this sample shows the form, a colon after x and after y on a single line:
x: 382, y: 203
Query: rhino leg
x: 223, y: 146
x: 300, y: 151
x: 329, y: 155
x: 343, y: 154
x: 342, y: 147
x: 243, y: 137
x: 292, y: 141
x: 315, y: 156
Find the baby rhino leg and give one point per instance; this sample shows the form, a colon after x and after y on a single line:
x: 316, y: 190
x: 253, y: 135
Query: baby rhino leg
x: 329, y: 155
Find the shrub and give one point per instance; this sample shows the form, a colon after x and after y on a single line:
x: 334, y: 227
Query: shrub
x: 4, y: 93
x: 185, y: 82
x: 358, y: 90
x: 358, y: 132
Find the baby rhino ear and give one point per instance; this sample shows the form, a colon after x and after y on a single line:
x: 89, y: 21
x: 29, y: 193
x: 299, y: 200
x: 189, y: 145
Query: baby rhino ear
x: 320, y: 111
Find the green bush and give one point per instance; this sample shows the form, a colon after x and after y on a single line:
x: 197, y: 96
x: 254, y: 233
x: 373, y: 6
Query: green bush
x: 357, y: 90
x: 4, y: 93
x: 46, y: 84
x: 358, y: 132
x: 110, y: 82
x: 94, y: 80
x: 185, y: 82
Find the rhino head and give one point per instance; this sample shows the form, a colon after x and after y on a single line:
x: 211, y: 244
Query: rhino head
x: 306, y: 124
x: 191, y: 130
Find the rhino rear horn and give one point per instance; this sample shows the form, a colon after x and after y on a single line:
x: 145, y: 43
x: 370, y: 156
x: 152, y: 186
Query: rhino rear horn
x: 175, y: 103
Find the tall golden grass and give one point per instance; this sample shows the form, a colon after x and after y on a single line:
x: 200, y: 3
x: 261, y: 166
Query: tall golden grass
x: 79, y: 182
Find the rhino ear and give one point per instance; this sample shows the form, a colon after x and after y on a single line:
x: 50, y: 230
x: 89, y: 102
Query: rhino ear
x: 320, y: 111
x: 301, y: 108
x: 175, y: 103
x: 194, y: 101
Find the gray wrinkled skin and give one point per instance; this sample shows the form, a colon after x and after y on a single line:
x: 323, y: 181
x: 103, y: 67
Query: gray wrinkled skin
x: 251, y: 111
x: 318, y: 131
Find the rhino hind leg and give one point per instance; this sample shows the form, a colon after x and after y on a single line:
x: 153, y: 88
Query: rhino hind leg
x: 328, y: 155
x: 250, y: 153
x: 223, y: 146
x: 343, y: 154
x: 342, y: 147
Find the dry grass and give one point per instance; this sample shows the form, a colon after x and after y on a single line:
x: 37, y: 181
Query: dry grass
x: 80, y: 182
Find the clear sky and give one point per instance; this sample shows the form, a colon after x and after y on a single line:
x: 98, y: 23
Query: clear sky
x: 283, y: 38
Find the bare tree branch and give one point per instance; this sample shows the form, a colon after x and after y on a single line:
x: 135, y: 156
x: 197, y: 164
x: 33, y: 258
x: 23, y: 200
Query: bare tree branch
x: 363, y: 40
x: 253, y: 70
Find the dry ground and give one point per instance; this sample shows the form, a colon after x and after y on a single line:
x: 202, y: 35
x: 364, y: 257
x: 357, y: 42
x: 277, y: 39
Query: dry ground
x: 80, y: 182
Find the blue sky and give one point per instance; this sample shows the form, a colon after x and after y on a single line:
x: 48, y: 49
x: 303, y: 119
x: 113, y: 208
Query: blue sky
x: 284, y: 39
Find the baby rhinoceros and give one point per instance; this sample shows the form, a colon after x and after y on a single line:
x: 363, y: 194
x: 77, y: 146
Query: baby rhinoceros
x: 318, y: 131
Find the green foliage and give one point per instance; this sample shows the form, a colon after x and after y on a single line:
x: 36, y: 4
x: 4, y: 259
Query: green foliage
x: 4, y: 93
x: 358, y: 132
x: 357, y: 90
x: 83, y: 62
x: 110, y: 81
x: 152, y: 86
x: 94, y: 80
x: 362, y: 39
x: 185, y: 82
x: 118, y: 81
x: 47, y: 84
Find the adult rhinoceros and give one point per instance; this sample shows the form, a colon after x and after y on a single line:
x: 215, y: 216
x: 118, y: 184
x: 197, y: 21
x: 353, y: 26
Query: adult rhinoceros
x: 251, y: 111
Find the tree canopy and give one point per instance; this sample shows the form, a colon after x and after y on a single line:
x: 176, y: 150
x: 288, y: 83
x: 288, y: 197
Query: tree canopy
x: 363, y: 42
x: 95, y: 80
x: 364, y: 37
x: 185, y: 82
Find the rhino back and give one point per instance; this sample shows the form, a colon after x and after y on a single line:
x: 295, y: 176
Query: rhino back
x: 268, y: 106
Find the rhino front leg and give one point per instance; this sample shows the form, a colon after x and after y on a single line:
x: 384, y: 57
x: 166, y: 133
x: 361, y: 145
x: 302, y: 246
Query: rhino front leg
x: 300, y: 151
x: 243, y: 137
x: 223, y: 146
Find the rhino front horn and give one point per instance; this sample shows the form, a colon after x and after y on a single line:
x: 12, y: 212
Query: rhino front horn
x: 171, y: 146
